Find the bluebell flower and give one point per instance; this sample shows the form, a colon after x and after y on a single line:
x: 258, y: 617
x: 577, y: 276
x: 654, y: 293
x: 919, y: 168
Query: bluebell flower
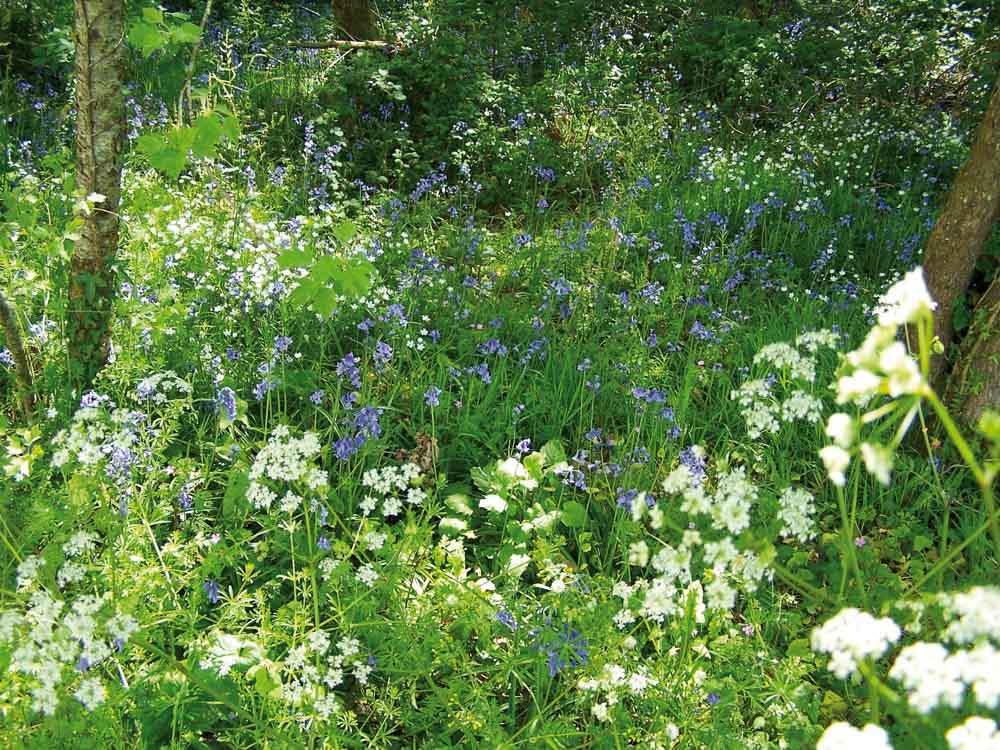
x: 211, y: 591
x: 316, y: 397
x: 431, y: 396
x: 506, y: 618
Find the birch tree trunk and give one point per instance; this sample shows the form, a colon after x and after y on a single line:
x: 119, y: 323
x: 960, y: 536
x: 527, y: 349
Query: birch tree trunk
x: 100, y: 135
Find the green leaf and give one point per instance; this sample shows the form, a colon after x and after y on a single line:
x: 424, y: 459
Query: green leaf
x: 799, y: 648
x: 152, y: 15
x: 574, y: 515
x: 186, y: 33
x: 355, y: 278
x: 553, y: 452
x: 324, y: 303
x: 303, y: 293
x: 921, y: 542
x: 267, y: 679
x: 325, y: 269
x: 230, y: 125
x: 345, y: 231
x: 207, y: 132
x: 295, y: 259
x: 146, y: 38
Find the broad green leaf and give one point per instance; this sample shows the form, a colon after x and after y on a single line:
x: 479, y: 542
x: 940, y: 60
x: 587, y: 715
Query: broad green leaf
x: 355, y: 279
x: 345, y: 231
x: 186, y: 33
x: 303, y: 293
x: 325, y: 269
x: 207, y: 132
x: 146, y: 38
x: 230, y: 126
x: 324, y: 303
x: 152, y: 15
x: 553, y: 452
x: 295, y: 259
x: 574, y: 515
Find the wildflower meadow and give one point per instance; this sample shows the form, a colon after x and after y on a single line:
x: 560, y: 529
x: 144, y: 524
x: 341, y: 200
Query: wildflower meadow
x: 483, y: 374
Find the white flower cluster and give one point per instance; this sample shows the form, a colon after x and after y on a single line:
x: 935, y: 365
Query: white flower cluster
x: 288, y: 460
x: 976, y: 733
x: 796, y: 508
x: 392, y: 486
x: 724, y: 568
x: 763, y: 412
x: 93, y: 435
x: 842, y: 736
x: 852, y: 636
x: 51, y: 643
x: 613, y: 682
x: 881, y: 366
x: 159, y: 387
x: 934, y: 677
x: 314, y: 669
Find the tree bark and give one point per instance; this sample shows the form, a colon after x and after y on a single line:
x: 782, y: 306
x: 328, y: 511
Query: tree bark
x: 963, y: 226
x: 355, y: 17
x: 22, y: 371
x: 975, y: 381
x: 100, y: 135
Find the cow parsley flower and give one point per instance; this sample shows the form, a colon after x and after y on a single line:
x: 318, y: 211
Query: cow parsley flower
x: 976, y: 733
x: 906, y: 301
x: 851, y: 636
x: 842, y: 736
x: 796, y: 507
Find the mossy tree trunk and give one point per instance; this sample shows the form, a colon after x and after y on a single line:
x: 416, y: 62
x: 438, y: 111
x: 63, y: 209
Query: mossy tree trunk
x: 960, y: 234
x: 100, y: 135
x: 975, y: 381
x: 355, y: 17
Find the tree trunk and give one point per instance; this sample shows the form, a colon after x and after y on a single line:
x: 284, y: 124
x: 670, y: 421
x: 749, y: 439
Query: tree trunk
x: 355, y: 17
x: 975, y: 382
x: 963, y: 226
x: 100, y: 135
x: 15, y: 344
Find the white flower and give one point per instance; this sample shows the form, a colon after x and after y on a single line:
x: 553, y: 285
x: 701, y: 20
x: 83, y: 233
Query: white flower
x: 367, y: 575
x: 859, y: 386
x: 976, y: 611
x: 514, y: 470
x: 851, y: 636
x: 901, y: 370
x: 842, y: 736
x: 836, y: 460
x: 930, y: 676
x: 976, y: 733
x: 493, y: 503
x: 795, y: 510
x: 677, y: 481
x: 91, y: 693
x: 878, y: 461
x: 840, y: 428
x: 906, y: 301
x: 518, y: 564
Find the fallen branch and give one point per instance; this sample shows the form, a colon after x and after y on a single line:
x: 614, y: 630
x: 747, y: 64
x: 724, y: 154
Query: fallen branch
x: 22, y: 372
x: 339, y: 44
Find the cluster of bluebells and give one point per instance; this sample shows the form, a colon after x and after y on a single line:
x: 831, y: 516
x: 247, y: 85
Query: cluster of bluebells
x: 285, y: 464
x: 931, y: 674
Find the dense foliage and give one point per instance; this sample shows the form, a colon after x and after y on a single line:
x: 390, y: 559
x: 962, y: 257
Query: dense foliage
x: 535, y: 380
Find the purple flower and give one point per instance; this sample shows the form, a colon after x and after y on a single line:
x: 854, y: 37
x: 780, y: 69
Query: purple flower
x: 211, y: 591
x: 317, y: 397
x: 506, y: 618
x: 431, y: 396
